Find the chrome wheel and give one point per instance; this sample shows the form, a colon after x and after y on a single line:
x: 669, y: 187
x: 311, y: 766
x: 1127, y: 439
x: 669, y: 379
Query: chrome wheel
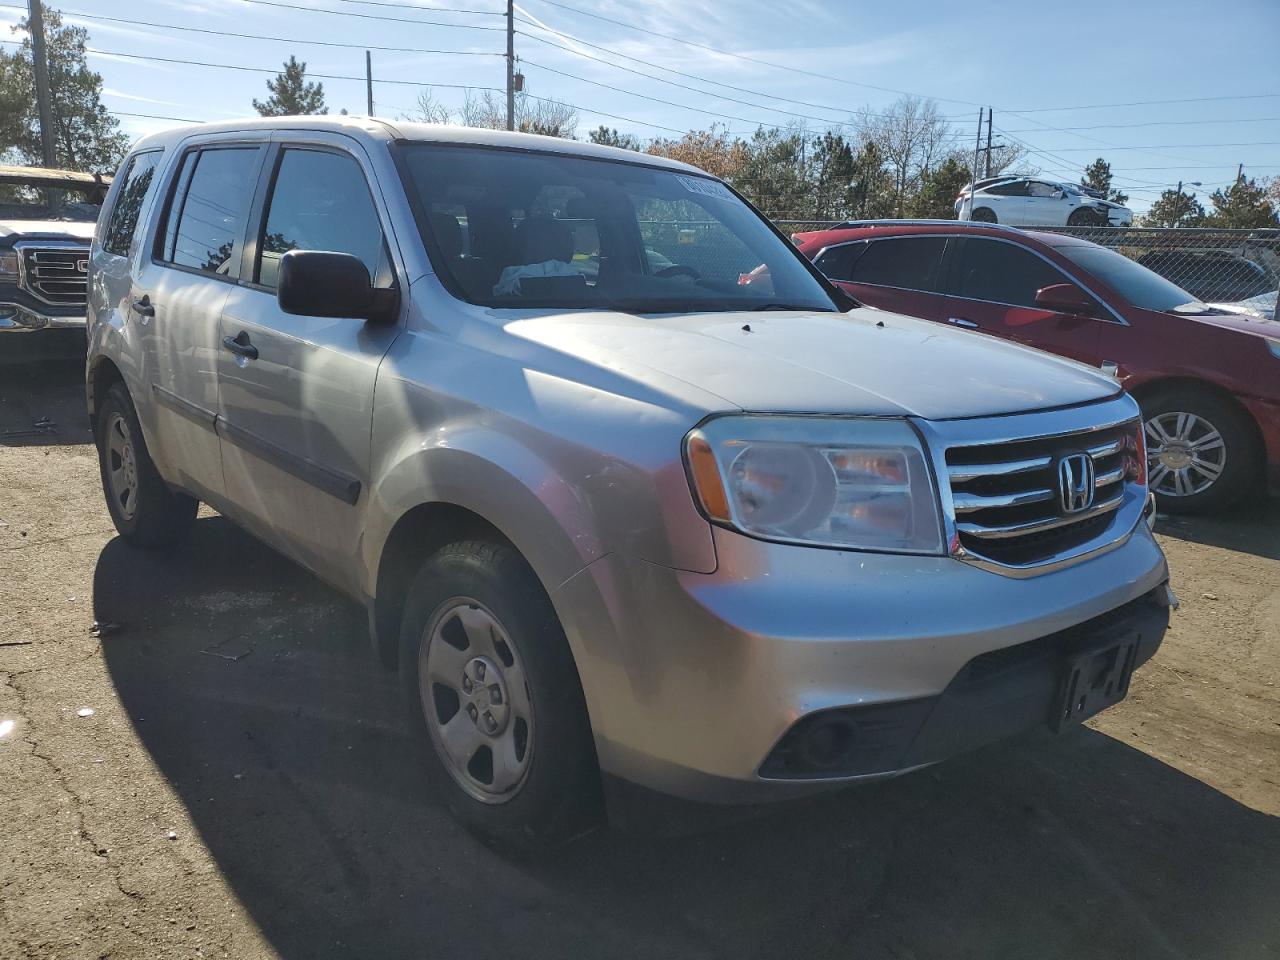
x: 122, y: 466
x: 476, y: 700
x: 1185, y: 454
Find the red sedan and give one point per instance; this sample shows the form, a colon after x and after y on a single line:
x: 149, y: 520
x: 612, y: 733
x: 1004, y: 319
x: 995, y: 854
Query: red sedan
x: 1208, y: 380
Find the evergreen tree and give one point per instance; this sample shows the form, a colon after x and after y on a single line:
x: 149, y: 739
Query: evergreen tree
x: 1243, y: 205
x: 938, y: 192
x: 608, y: 137
x: 86, y: 137
x: 1097, y: 176
x: 1175, y: 209
x: 291, y: 94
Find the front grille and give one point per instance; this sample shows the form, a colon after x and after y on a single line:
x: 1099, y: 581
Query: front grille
x: 56, y: 274
x: 1007, y: 498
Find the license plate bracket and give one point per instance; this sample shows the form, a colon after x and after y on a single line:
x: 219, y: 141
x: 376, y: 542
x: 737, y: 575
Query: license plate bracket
x: 1093, y: 680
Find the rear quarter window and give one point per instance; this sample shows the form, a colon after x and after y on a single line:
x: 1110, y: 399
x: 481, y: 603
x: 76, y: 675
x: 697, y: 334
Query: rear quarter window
x: 139, y: 175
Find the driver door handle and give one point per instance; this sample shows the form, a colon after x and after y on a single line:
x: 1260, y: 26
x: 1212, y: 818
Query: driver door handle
x: 240, y: 345
x: 142, y: 307
x: 962, y: 322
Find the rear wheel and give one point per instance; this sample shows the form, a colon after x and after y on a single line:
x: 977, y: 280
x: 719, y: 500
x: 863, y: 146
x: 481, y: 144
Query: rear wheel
x: 1202, y: 454
x: 492, y: 694
x: 143, y: 508
x: 983, y: 215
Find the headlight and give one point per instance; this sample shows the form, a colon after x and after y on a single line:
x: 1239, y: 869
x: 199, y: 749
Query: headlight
x: 8, y: 265
x: 832, y: 482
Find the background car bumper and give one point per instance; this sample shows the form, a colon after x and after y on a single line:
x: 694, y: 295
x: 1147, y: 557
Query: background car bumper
x: 693, y: 680
x: 19, y: 318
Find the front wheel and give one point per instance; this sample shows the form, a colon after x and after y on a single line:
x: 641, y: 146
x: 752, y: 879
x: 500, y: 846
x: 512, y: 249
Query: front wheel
x: 1201, y: 451
x: 492, y: 694
x: 1084, y: 217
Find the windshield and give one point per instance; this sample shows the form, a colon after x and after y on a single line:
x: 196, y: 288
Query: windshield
x: 1142, y: 287
x: 22, y: 201
x: 519, y: 229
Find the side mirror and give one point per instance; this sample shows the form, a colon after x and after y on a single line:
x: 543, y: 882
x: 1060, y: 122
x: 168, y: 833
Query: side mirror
x: 1066, y: 298
x: 315, y: 283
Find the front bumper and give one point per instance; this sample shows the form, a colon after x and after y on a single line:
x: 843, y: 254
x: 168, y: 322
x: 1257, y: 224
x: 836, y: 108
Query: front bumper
x: 1267, y: 415
x: 21, y: 318
x: 693, y: 680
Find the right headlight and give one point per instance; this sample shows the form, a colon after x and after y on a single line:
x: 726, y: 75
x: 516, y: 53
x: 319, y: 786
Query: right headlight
x: 8, y: 265
x: 848, y: 482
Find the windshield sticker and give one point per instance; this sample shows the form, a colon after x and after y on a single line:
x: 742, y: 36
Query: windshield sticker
x: 705, y: 188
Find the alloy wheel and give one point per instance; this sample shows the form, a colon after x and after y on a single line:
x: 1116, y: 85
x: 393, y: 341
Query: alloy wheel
x: 476, y: 701
x: 122, y: 466
x: 1185, y: 454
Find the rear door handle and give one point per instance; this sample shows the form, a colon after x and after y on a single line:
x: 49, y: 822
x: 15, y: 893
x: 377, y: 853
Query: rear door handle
x: 142, y: 306
x: 962, y: 322
x: 240, y: 346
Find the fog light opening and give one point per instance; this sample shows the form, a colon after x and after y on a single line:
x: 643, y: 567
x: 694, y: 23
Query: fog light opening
x: 828, y: 742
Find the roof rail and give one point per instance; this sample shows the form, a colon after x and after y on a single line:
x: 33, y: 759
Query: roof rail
x: 921, y: 222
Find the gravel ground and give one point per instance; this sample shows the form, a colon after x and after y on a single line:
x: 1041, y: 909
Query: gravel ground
x: 242, y: 789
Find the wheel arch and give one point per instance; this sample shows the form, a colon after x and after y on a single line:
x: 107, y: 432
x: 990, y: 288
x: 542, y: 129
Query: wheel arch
x: 102, y: 375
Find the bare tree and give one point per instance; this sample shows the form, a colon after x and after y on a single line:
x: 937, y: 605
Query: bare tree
x: 912, y: 137
x: 427, y: 109
x: 533, y: 114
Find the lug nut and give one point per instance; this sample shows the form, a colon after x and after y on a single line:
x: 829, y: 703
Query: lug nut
x: 480, y: 670
x: 495, y: 694
x: 466, y: 684
x: 489, y: 722
x: 472, y: 712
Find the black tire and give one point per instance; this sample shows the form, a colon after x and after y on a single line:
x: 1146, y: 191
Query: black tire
x: 150, y: 514
x: 1085, y: 217
x: 1240, y: 467
x: 559, y: 796
x: 983, y: 215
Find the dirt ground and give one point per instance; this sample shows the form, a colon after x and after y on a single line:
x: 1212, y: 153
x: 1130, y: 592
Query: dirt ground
x: 242, y: 789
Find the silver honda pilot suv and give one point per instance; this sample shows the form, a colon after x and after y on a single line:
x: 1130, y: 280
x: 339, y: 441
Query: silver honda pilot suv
x: 636, y: 500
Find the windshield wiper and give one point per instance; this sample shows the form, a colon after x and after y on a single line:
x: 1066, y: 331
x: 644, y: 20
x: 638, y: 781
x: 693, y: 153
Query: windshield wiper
x: 788, y: 306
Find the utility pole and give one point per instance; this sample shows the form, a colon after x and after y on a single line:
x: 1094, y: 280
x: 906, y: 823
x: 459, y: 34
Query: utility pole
x: 511, y: 65
x: 977, y: 147
x: 1239, y: 173
x: 40, y: 67
x: 368, y: 81
x: 989, y: 112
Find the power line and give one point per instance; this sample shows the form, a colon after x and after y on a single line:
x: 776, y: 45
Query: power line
x: 418, y: 6
x: 1177, y: 146
x: 251, y: 36
x: 740, y: 56
x: 643, y: 96
x: 371, y: 16
x: 322, y: 76
x: 1153, y: 123
x: 1141, y: 103
x: 683, y: 86
x: 155, y: 116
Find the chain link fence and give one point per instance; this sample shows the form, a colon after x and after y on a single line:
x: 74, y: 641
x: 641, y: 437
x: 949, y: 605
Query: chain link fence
x: 1239, y: 269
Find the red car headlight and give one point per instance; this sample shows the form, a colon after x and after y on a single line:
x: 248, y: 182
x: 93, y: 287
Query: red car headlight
x: 1135, y: 453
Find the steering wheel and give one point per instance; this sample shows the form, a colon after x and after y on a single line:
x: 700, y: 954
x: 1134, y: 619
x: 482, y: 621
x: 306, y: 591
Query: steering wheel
x: 679, y: 270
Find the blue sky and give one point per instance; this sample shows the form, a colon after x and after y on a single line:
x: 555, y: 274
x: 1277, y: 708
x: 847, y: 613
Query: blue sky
x: 1023, y: 59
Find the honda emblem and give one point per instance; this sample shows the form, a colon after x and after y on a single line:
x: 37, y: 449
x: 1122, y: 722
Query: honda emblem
x: 1076, y: 482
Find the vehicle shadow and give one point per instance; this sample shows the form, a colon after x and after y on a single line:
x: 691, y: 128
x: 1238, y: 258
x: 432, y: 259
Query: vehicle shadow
x: 42, y: 404
x: 1252, y: 527
x: 253, y: 688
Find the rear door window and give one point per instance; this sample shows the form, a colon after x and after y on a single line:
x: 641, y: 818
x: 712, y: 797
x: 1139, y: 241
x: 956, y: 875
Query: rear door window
x: 123, y: 223
x: 210, y: 207
x: 999, y: 272
x: 1015, y: 188
x: 910, y: 263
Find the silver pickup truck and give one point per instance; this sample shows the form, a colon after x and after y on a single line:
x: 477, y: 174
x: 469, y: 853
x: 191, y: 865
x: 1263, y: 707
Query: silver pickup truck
x: 622, y: 521
x: 47, y: 218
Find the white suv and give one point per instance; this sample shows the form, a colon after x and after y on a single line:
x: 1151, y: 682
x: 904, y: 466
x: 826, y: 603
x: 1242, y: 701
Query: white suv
x: 1035, y: 202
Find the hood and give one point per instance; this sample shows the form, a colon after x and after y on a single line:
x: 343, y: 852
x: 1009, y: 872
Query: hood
x: 46, y: 228
x: 863, y: 362
x: 1261, y: 307
x: 1234, y: 320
